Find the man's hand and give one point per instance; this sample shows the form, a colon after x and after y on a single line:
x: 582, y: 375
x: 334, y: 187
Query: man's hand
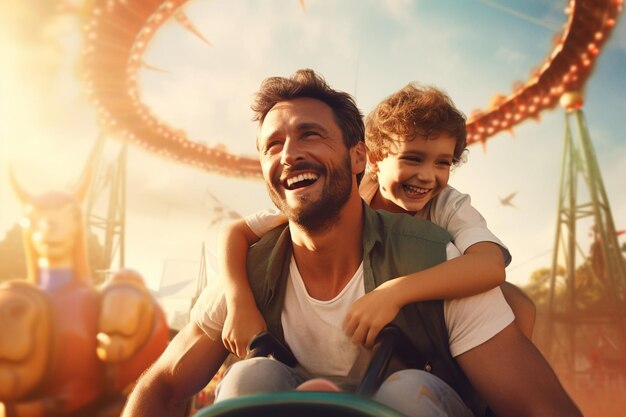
x: 243, y: 322
x: 370, y: 313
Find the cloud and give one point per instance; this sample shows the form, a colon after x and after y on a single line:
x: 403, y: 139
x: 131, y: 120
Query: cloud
x: 398, y: 9
x: 511, y: 57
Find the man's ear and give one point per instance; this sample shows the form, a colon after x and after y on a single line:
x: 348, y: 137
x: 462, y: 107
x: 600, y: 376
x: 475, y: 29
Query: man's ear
x: 358, y: 157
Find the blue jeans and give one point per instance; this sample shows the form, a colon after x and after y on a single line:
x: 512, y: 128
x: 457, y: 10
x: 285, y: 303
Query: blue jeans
x: 410, y: 391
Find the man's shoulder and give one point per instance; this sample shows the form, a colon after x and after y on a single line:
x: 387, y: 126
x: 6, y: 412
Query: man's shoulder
x: 270, y: 249
x: 269, y: 239
x: 396, y: 224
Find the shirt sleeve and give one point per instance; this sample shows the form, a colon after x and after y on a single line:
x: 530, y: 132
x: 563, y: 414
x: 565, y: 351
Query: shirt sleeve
x: 368, y: 187
x: 454, y: 212
x: 473, y: 320
x: 263, y: 221
x: 209, y: 312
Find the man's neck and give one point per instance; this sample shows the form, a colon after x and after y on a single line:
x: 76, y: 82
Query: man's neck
x: 328, y: 259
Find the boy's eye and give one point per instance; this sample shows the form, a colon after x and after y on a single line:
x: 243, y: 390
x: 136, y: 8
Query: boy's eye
x: 415, y: 159
x: 444, y: 162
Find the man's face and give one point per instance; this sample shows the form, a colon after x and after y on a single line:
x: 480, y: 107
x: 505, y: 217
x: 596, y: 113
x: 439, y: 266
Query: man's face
x: 306, y: 166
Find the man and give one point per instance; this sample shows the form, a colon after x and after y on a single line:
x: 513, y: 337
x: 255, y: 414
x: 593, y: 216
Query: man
x: 306, y: 275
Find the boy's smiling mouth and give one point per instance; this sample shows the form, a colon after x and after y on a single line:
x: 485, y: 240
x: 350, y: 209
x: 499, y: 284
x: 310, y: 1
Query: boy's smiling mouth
x: 412, y: 190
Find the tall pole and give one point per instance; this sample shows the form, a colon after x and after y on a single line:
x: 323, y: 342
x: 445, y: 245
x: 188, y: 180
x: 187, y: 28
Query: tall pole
x: 106, y: 205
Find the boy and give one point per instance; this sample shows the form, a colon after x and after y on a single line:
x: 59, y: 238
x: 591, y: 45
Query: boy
x: 413, y: 138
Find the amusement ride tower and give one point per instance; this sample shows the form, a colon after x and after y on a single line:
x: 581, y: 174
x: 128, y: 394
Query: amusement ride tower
x: 106, y: 204
x: 602, y: 320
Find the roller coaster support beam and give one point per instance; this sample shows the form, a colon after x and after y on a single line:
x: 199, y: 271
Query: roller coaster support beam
x: 607, y: 267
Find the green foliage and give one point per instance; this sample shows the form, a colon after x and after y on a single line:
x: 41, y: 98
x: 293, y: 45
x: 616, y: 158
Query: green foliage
x: 589, y: 290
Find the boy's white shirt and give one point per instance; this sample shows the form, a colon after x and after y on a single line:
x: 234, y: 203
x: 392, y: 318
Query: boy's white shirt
x: 320, y: 344
x: 451, y: 210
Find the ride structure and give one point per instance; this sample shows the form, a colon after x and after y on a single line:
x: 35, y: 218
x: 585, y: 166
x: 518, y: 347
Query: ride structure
x: 108, y: 188
x: 572, y: 323
x: 118, y: 34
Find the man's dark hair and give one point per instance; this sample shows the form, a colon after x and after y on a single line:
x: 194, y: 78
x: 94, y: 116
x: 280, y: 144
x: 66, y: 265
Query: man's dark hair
x: 306, y: 83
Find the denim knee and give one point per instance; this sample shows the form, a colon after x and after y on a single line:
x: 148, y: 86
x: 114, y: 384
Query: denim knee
x: 256, y: 375
x: 421, y: 394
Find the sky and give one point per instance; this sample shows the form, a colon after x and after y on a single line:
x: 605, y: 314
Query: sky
x: 472, y: 49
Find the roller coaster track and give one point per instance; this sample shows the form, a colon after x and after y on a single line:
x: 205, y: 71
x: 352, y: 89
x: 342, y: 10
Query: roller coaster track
x: 118, y: 33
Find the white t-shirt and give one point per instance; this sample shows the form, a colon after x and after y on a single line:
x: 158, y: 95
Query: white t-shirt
x: 313, y: 328
x: 450, y: 210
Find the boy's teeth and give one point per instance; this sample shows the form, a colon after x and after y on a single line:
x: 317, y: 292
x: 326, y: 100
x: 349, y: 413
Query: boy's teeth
x: 301, y: 177
x: 414, y: 189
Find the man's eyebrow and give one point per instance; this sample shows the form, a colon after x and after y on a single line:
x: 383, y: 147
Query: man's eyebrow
x: 312, y: 125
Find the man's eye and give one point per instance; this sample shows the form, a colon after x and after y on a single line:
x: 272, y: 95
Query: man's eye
x: 271, y: 147
x: 310, y: 133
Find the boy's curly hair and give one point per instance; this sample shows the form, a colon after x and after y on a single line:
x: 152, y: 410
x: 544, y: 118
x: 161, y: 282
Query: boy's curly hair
x: 414, y: 111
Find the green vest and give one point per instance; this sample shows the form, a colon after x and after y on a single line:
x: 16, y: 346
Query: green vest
x: 393, y: 245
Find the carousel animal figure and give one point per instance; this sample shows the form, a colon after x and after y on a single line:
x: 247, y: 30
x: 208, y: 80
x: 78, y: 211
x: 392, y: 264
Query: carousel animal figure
x: 133, y: 330
x: 98, y: 341
x: 57, y: 265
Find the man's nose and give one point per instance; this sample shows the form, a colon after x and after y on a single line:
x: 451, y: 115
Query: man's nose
x: 291, y: 153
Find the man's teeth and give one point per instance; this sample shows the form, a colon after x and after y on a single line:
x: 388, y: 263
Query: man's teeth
x: 301, y: 177
x: 413, y: 189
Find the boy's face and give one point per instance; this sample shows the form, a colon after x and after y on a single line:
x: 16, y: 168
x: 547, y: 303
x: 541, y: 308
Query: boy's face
x: 414, y: 172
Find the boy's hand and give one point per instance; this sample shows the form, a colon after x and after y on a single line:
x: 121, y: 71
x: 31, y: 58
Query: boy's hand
x: 240, y: 327
x: 370, y: 313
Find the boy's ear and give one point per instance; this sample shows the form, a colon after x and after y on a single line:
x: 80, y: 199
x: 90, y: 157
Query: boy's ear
x: 358, y: 156
x: 372, y: 163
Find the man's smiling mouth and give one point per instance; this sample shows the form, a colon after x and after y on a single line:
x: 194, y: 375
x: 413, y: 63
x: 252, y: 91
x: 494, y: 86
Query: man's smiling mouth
x: 301, y: 180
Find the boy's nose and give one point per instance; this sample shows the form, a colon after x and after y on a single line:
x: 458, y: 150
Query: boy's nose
x: 426, y: 174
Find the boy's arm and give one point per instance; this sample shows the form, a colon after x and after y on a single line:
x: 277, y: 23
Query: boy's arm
x: 187, y: 365
x: 481, y: 268
x: 243, y: 320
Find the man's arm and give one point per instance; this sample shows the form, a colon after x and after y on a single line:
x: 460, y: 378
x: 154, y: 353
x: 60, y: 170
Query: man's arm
x: 187, y: 365
x: 515, y: 379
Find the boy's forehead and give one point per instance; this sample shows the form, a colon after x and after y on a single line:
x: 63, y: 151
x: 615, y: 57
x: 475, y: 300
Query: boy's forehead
x: 443, y: 140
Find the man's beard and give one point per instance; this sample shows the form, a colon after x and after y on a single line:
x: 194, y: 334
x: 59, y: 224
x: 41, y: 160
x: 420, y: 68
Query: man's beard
x: 323, y: 213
